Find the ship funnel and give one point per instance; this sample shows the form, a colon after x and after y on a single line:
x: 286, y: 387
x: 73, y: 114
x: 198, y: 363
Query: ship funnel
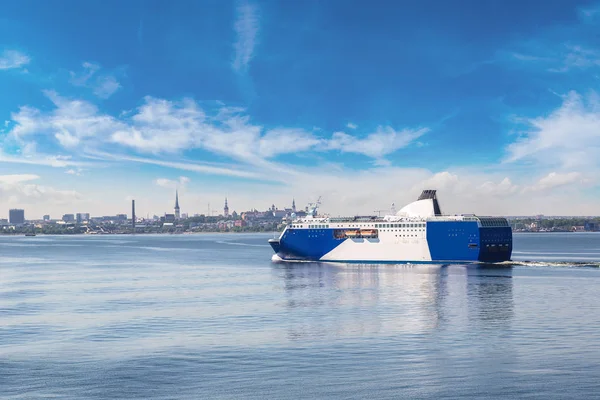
x: 430, y: 194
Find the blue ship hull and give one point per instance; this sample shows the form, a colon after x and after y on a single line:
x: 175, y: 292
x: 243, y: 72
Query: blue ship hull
x: 446, y: 242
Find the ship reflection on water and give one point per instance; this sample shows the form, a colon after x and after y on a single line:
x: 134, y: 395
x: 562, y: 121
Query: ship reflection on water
x: 330, y: 300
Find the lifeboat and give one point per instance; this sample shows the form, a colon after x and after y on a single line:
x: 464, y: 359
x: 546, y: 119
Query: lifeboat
x: 368, y: 233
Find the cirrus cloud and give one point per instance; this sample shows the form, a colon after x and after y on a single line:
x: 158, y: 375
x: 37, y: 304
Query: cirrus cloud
x: 162, y: 126
x: 13, y: 59
x: 180, y: 183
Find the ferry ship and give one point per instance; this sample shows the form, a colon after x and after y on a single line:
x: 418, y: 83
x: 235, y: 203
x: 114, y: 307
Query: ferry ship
x: 418, y: 233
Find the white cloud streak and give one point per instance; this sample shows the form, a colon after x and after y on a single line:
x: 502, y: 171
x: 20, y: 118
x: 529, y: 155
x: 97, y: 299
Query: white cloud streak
x: 54, y: 161
x: 180, y: 165
x: 577, y: 57
x: 17, y: 190
x: 165, y: 127
x: 246, y: 29
x: 106, y: 86
x: 11, y: 59
x: 561, y: 146
x: 102, y: 85
x: 554, y: 180
x: 384, y: 141
x: 74, y: 172
x: 180, y: 183
x: 17, y: 178
x: 556, y: 59
x: 568, y: 137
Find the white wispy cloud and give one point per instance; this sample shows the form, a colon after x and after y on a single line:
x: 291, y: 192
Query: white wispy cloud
x: 577, y: 57
x: 551, y: 57
x: 246, y: 29
x: 567, y: 137
x: 460, y: 191
x: 166, y: 127
x: 10, y: 59
x: 180, y: 183
x: 554, y: 180
x: 558, y: 147
x: 350, y: 125
x: 102, y: 85
x: 589, y: 13
x: 530, y: 57
x: 106, y: 86
x: 55, y: 161
x: 74, y: 171
x: 16, y: 178
x: 382, y: 142
x: 179, y: 165
x: 18, y: 189
x: 82, y: 78
x: 276, y: 141
x: 71, y: 122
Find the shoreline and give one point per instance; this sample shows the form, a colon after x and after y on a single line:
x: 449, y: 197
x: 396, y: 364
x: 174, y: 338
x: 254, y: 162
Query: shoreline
x: 216, y: 233
x: 135, y: 234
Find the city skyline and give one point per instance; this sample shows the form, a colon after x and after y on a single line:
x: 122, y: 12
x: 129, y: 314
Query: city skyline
x: 176, y: 211
x: 496, y: 108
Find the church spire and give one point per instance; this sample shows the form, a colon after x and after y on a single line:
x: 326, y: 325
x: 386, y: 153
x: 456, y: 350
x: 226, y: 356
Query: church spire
x: 226, y: 209
x: 176, y: 204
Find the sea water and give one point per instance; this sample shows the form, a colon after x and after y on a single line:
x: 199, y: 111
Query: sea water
x: 211, y: 317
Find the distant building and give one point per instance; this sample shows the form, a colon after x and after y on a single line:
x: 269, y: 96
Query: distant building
x: 16, y: 216
x: 226, y: 209
x: 293, y: 205
x: 169, y: 218
x: 591, y: 226
x: 177, y: 205
x: 82, y: 217
x: 301, y: 214
x: 184, y: 216
x: 279, y: 213
x: 122, y: 217
x: 68, y: 218
x: 46, y: 217
x: 133, y: 215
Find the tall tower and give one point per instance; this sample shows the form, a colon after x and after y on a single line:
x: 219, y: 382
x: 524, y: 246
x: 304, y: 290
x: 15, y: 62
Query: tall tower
x: 176, y: 204
x: 133, y: 216
x: 226, y: 209
x: 294, y: 205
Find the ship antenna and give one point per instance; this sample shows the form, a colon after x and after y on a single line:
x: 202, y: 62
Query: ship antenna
x: 314, y: 207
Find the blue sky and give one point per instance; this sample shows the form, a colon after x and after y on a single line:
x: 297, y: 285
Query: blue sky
x: 365, y: 103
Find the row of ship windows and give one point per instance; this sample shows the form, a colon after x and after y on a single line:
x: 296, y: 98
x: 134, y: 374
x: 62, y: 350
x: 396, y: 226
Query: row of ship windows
x: 406, y: 230
x: 399, y: 225
x: 360, y: 226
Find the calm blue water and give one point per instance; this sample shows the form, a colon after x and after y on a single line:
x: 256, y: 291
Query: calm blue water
x: 210, y: 317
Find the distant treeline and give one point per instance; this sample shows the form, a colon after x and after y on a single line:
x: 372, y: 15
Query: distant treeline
x: 52, y: 229
x: 557, y: 223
